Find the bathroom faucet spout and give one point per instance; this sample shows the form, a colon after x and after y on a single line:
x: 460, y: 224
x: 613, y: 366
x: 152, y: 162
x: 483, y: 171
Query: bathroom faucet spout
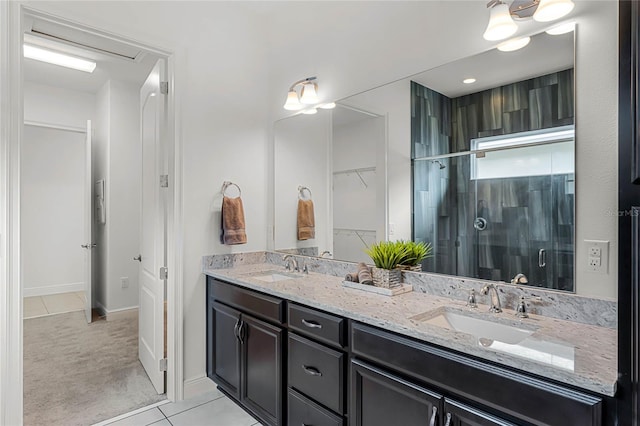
x: 290, y: 263
x: 495, y: 297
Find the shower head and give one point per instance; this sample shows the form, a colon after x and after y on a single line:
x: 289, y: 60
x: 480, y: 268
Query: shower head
x: 442, y: 166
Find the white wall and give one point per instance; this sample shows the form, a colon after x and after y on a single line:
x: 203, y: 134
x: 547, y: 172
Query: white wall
x: 117, y: 161
x: 358, y: 144
x: 52, y: 189
x: 100, y: 167
x: 302, y: 157
x: 52, y: 211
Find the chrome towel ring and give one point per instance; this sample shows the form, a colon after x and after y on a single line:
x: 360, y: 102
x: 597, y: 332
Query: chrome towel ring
x: 226, y: 184
x: 301, y: 190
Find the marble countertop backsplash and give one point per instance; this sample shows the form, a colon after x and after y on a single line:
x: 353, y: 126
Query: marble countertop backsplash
x: 581, y: 329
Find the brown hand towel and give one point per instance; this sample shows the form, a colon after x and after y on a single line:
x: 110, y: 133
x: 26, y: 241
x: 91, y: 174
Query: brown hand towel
x: 364, y: 274
x: 233, y: 221
x: 351, y: 277
x: 306, y: 220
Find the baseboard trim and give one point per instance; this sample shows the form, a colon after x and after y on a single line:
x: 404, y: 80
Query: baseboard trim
x: 130, y: 312
x: 52, y: 289
x: 197, y: 386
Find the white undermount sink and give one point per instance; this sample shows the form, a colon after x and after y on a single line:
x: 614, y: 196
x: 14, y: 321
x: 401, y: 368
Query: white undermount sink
x: 485, y: 330
x: 274, y: 276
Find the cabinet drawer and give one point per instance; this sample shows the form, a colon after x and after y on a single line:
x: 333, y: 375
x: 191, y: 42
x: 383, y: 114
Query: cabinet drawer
x: 515, y: 394
x: 260, y: 305
x: 319, y: 325
x: 317, y: 371
x: 303, y: 411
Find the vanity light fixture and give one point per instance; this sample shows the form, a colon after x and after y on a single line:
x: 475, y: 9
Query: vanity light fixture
x: 561, y: 29
x: 308, y: 94
x: 501, y: 23
x: 514, y: 44
x: 310, y: 111
x: 55, y: 58
x: 330, y: 105
x: 501, y: 20
x: 550, y: 10
x: 469, y: 80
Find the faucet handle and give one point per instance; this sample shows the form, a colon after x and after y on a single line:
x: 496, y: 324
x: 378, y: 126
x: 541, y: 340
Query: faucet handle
x: 471, y: 301
x: 305, y: 269
x: 521, y: 310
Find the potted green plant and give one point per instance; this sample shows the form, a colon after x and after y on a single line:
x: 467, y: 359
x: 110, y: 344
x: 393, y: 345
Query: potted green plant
x: 386, y: 256
x: 416, y: 252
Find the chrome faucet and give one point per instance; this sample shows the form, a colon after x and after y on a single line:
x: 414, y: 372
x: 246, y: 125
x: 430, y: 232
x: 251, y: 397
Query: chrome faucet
x: 327, y: 253
x: 289, y: 262
x: 520, y: 279
x: 495, y: 297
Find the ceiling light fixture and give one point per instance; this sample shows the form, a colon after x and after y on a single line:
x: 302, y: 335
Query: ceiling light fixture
x: 501, y: 20
x: 308, y: 94
x: 469, y: 80
x: 514, y: 44
x: 565, y: 28
x: 55, y: 58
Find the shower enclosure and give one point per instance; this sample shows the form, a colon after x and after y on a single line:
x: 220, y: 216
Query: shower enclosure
x: 493, y: 186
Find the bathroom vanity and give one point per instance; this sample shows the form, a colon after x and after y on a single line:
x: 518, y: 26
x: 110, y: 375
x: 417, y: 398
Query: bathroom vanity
x: 301, y: 349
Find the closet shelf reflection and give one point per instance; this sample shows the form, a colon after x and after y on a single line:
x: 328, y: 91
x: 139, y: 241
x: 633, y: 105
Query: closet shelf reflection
x: 358, y: 172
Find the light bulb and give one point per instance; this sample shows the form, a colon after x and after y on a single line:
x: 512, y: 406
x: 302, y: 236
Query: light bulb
x: 308, y: 95
x: 514, y: 44
x: 470, y: 80
x: 292, y: 103
x: 501, y: 24
x: 550, y: 10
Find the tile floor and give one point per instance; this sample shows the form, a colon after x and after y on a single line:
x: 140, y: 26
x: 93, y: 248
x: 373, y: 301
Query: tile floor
x: 210, y: 409
x: 39, y: 306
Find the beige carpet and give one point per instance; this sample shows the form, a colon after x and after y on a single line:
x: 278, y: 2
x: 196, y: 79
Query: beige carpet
x: 79, y: 374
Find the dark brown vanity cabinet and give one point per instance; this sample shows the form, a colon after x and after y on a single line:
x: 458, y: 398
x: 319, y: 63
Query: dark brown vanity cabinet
x: 245, y: 348
x: 317, y: 365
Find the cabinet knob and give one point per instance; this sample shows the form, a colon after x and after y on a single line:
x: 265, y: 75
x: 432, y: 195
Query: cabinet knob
x: 311, y: 324
x: 312, y: 371
x: 432, y: 422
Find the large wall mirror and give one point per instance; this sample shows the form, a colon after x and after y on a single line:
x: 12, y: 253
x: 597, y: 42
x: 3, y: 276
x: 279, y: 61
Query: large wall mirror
x: 484, y: 171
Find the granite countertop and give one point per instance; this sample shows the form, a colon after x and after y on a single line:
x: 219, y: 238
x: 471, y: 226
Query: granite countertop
x: 577, y: 354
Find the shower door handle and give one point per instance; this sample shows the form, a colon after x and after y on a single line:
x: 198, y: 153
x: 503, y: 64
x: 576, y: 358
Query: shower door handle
x: 542, y: 258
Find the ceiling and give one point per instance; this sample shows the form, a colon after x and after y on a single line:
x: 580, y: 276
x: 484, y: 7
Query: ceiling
x: 115, y: 60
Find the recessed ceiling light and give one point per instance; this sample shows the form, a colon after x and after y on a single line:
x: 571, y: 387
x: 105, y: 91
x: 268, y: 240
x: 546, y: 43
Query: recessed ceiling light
x: 562, y: 28
x: 55, y: 58
x: 514, y: 44
x: 469, y: 80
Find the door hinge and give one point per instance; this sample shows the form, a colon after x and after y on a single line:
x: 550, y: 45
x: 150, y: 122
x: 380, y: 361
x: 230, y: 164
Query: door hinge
x: 164, y: 87
x: 164, y: 181
x: 163, y: 364
x: 164, y: 273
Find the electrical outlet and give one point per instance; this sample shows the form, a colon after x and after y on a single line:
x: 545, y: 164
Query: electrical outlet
x: 125, y: 282
x: 597, y: 256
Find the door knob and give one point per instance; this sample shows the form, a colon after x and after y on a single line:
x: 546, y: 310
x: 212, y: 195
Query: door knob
x: 138, y: 258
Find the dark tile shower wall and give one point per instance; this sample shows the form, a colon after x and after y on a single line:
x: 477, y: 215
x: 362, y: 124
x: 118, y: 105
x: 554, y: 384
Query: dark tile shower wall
x: 524, y: 215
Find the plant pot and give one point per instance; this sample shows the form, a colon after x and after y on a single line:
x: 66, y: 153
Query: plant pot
x: 386, y: 278
x: 414, y: 268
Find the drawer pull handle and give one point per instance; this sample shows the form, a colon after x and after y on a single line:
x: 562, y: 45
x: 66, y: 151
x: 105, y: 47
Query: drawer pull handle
x: 432, y: 422
x: 311, y: 324
x: 312, y: 371
x: 448, y: 422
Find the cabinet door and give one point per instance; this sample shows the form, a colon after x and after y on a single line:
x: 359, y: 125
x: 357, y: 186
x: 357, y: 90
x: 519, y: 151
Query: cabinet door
x: 379, y: 398
x: 457, y: 414
x: 262, y: 388
x: 223, y: 348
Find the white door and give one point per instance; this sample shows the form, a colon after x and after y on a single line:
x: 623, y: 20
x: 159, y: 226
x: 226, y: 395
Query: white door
x: 88, y: 224
x: 152, y: 229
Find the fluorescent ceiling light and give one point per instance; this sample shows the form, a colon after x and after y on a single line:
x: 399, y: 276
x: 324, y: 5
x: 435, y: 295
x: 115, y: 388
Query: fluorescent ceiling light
x: 562, y: 28
x: 550, y: 10
x: 514, y: 44
x: 55, y: 58
x: 469, y: 80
